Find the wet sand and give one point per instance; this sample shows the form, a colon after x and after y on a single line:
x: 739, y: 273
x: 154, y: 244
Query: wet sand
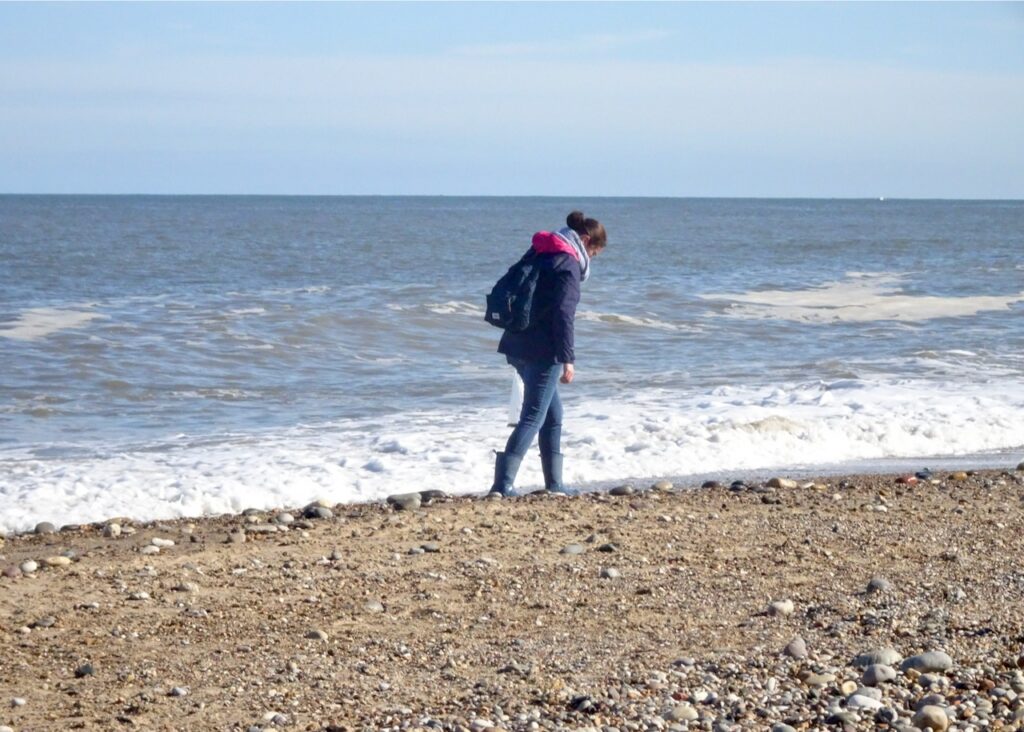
x: 476, y: 614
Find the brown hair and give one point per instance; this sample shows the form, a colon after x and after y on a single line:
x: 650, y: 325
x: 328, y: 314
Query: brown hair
x: 589, y: 227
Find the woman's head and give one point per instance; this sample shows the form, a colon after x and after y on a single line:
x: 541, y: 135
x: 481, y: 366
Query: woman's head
x: 591, y: 231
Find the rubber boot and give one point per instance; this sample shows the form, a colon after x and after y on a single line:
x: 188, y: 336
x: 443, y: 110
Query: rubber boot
x: 551, y: 464
x: 505, y: 468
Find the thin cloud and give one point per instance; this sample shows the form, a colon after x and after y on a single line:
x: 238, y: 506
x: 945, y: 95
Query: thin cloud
x: 591, y: 43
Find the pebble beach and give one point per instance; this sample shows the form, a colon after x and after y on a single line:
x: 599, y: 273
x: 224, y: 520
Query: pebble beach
x: 858, y: 602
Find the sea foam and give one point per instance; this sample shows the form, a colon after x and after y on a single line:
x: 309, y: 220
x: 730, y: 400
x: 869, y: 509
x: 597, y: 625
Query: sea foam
x: 861, y: 298
x: 651, y: 433
x: 37, y: 323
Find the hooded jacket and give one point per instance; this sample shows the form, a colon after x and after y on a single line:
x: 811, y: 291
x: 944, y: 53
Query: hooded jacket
x: 551, y: 338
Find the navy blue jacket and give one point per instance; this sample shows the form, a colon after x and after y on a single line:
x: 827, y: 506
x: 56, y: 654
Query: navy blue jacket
x: 550, y: 339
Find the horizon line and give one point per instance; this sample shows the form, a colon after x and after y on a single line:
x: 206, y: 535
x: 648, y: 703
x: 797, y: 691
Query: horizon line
x: 515, y: 195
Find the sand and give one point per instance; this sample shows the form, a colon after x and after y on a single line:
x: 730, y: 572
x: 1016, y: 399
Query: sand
x: 349, y: 624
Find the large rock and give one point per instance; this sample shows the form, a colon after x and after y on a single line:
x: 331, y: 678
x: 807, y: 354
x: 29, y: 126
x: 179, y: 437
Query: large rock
x: 927, y: 662
x: 405, y: 501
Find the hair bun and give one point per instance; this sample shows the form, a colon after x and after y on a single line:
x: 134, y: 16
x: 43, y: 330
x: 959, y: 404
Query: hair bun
x: 575, y: 220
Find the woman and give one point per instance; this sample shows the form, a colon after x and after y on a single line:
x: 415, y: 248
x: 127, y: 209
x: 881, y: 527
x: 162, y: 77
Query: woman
x: 543, y: 354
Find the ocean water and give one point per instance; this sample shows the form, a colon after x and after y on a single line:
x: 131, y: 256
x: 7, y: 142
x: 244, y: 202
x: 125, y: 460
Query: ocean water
x: 167, y: 356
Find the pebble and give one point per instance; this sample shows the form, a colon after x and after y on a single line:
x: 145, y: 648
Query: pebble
x: 930, y: 661
x: 930, y: 700
x: 45, y: 527
x: 149, y: 550
x: 57, y: 561
x: 316, y: 635
x: 573, y: 549
x: 12, y: 572
x: 284, y: 518
x: 819, y: 679
x: 682, y: 713
x: 186, y: 587
x: 622, y: 490
x: 4, y: 728
x: 710, y: 484
x: 236, y: 537
x: 878, y: 673
x: 931, y: 717
x: 781, y: 608
x: 907, y: 480
x: 261, y: 529
x: 796, y: 648
x: 112, y: 531
x: 318, y: 512
x: 47, y: 621
x: 373, y: 606
x: 84, y: 670
x: 28, y: 566
x: 138, y: 596
x: 161, y: 543
x: 881, y: 656
x: 958, y: 475
x: 662, y: 486
x: 18, y: 702
x: 869, y: 691
x: 610, y: 573
x: 179, y: 691
x: 879, y: 584
x: 784, y: 483
x: 608, y: 548
x: 405, y: 501
x: 431, y: 547
x: 858, y: 701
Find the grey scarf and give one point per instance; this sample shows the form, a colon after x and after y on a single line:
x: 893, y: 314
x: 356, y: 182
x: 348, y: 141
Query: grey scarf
x: 574, y: 240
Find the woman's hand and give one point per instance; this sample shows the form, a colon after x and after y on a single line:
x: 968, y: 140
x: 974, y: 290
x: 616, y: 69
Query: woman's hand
x: 568, y: 372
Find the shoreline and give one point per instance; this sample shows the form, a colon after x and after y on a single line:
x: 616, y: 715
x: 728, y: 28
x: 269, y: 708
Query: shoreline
x: 866, y: 468
x: 540, y: 612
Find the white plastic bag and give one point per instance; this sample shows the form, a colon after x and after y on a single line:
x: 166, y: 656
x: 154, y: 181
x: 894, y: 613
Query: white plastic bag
x: 515, y: 399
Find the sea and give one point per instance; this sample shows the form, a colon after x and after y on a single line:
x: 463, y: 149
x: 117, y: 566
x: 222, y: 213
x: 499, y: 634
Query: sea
x: 182, y: 356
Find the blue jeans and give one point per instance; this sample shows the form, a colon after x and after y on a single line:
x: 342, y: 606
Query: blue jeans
x: 542, y: 409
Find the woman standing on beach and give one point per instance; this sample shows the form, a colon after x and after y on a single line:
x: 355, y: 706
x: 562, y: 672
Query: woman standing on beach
x: 543, y: 354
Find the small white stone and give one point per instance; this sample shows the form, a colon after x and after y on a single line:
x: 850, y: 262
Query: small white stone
x: 18, y: 702
x: 28, y: 566
x: 148, y: 550
x: 162, y: 543
x: 857, y: 701
x: 781, y: 607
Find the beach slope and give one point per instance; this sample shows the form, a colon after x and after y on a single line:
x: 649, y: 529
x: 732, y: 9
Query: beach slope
x: 666, y: 608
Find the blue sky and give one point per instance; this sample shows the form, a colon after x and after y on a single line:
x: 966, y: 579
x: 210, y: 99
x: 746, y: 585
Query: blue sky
x: 649, y: 99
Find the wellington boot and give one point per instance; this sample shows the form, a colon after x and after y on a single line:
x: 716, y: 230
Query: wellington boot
x: 551, y: 464
x: 505, y: 468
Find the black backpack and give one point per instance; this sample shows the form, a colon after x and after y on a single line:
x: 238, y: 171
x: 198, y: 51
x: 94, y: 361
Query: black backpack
x: 510, y: 305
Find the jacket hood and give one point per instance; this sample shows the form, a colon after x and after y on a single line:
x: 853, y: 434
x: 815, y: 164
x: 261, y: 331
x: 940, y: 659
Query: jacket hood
x: 548, y: 242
